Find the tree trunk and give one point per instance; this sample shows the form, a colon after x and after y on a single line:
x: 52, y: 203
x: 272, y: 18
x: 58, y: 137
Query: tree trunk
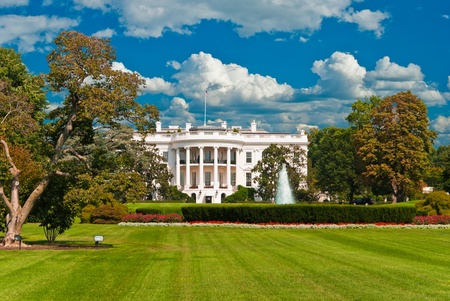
x: 14, y: 218
x: 17, y: 214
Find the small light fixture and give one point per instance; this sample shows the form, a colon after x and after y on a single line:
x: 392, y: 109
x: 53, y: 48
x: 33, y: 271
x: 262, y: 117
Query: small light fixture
x: 98, y: 239
x: 18, y: 238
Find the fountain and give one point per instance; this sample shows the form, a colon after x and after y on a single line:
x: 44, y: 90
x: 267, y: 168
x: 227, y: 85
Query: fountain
x: 284, y: 192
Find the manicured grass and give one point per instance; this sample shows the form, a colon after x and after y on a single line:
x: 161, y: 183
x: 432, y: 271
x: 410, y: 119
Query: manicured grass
x: 218, y: 263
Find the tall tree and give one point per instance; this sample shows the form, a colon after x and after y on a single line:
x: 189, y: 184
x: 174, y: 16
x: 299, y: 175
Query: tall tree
x: 96, y: 94
x: 334, y: 161
x: 268, y: 168
x: 395, y: 144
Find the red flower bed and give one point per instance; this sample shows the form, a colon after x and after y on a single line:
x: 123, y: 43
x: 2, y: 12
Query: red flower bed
x: 152, y: 218
x: 431, y: 220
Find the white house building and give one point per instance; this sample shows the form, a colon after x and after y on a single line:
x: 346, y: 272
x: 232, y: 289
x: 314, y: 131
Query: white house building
x: 209, y: 162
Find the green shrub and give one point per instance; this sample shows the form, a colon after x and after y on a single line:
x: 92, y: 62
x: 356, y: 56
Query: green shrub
x: 307, y: 214
x: 148, y: 211
x: 86, y: 213
x: 106, y: 214
x: 437, y: 202
x: 243, y: 194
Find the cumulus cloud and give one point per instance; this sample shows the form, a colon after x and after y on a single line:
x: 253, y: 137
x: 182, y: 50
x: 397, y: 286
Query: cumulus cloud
x: 106, y: 33
x: 93, y: 4
x: 342, y: 77
x: 367, y: 20
x: 31, y: 32
x: 178, y: 112
x: 226, y: 83
x: 389, y: 78
x: 11, y: 3
x: 441, y: 124
x: 154, y: 85
x: 145, y: 18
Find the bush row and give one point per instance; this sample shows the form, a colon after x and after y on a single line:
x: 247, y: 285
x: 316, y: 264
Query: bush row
x: 148, y: 211
x: 308, y: 214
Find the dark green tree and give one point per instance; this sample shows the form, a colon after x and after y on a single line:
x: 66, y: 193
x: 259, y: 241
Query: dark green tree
x: 334, y: 161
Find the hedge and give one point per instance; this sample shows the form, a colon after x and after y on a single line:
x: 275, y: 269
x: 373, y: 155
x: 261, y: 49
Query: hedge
x: 307, y: 214
x: 148, y: 211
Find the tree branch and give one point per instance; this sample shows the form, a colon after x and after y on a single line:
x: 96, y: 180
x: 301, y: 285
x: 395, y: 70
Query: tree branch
x: 5, y: 200
x: 13, y: 170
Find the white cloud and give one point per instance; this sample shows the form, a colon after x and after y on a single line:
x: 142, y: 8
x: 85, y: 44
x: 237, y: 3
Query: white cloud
x: 340, y: 76
x: 446, y: 17
x: 174, y: 64
x: 178, y: 112
x: 227, y: 83
x: 29, y: 32
x: 93, y: 4
x: 441, y: 124
x: 147, y: 18
x: 153, y: 85
x: 303, y: 39
x: 367, y: 20
x: 448, y: 84
x: 389, y: 78
x: 11, y: 3
x: 106, y: 33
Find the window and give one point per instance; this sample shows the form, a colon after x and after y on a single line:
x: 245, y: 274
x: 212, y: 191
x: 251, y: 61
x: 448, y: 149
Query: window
x: 233, y: 179
x: 248, y: 157
x: 248, y: 179
x: 182, y: 179
x: 166, y: 156
x: 233, y: 158
x: 221, y: 179
x: 208, y: 178
x: 207, y: 157
x: 194, y: 179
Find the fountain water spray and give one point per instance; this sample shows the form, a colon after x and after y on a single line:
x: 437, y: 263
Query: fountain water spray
x: 284, y: 193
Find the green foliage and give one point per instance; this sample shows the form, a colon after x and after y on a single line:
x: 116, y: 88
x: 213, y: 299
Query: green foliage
x: 148, y: 211
x: 243, y: 194
x: 436, y: 202
x: 86, y: 213
x: 395, y: 144
x: 334, y: 162
x: 106, y: 214
x: 54, y: 214
x: 173, y: 194
x: 308, y: 214
x: 127, y: 187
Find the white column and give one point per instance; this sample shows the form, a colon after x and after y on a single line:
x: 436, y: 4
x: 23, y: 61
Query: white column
x: 201, y: 183
x: 187, y: 177
x: 228, y: 183
x: 216, y: 167
x: 177, y: 169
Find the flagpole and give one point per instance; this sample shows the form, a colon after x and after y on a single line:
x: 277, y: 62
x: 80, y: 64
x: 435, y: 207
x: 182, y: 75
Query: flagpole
x: 206, y: 93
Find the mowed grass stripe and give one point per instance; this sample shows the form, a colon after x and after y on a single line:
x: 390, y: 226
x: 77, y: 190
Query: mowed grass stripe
x: 202, y: 263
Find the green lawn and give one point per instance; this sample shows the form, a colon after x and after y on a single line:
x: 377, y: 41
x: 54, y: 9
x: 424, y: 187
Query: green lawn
x: 217, y: 263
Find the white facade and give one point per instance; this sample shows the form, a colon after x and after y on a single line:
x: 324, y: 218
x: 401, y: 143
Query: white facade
x: 209, y: 162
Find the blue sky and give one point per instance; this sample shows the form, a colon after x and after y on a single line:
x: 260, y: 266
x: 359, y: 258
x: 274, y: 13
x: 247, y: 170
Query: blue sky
x: 288, y: 64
